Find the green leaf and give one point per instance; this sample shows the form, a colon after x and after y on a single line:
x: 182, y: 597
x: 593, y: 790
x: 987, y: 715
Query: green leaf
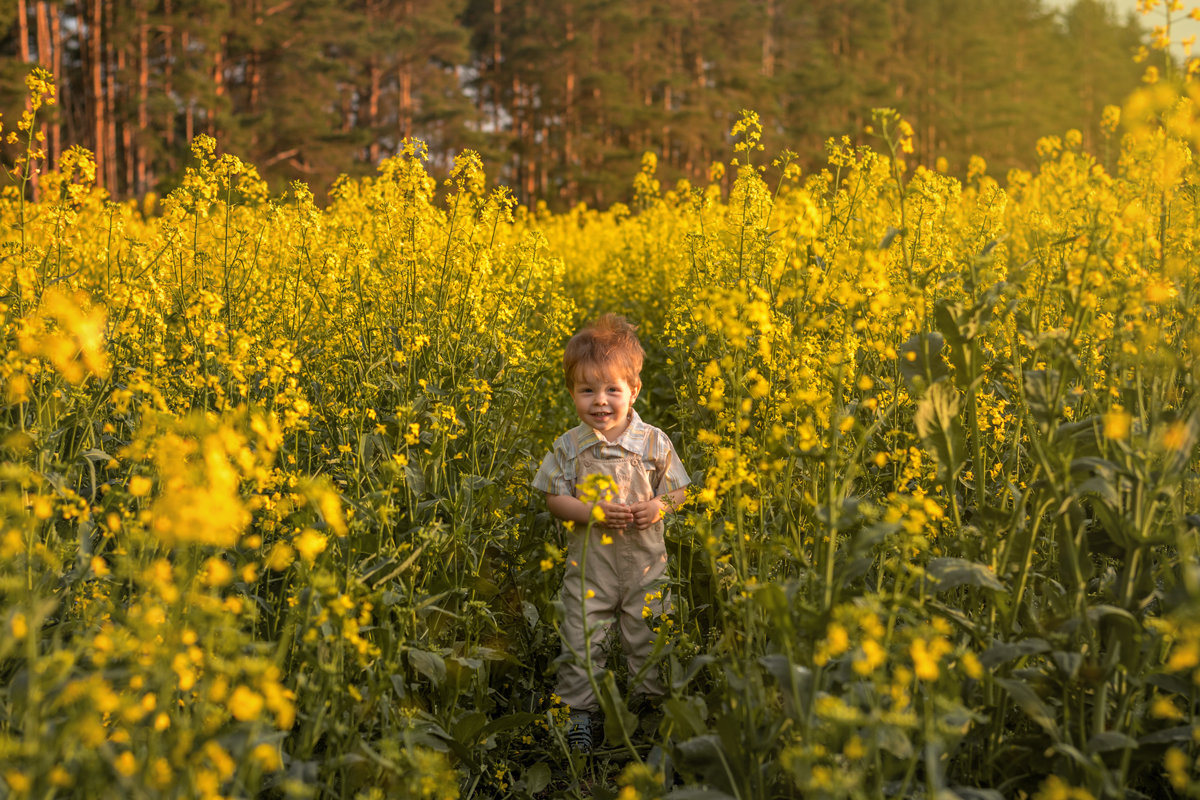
x: 941, y: 430
x: 431, y: 665
x: 1043, y: 396
x: 1073, y: 753
x: 921, y: 361
x: 1033, y: 706
x: 1170, y: 683
x: 537, y: 777
x: 772, y: 599
x: 704, y: 749
x: 1003, y: 652
x: 794, y: 679
x: 468, y: 726
x: 510, y: 722
x: 415, y: 478
x: 950, y: 321
x: 975, y: 793
x: 619, y: 722
x: 1107, y: 741
x: 1068, y: 663
x: 895, y: 741
x: 1181, y: 733
x: 952, y: 572
x: 687, y: 715
x: 863, y: 541
x: 693, y: 669
x: 699, y: 794
x: 888, y: 237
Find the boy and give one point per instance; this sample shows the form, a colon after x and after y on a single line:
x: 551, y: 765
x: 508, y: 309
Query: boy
x: 622, y: 570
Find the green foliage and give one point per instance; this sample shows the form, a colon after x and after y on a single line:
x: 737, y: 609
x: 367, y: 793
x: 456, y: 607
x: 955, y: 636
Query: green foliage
x: 563, y: 97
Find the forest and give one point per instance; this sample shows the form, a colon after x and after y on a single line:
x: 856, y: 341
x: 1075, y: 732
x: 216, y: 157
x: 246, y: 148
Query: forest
x: 560, y: 98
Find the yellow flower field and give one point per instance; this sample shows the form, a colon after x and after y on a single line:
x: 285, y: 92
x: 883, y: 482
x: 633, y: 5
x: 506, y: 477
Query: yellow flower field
x: 267, y: 527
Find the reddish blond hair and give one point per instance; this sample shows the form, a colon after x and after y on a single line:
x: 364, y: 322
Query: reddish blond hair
x: 608, y: 343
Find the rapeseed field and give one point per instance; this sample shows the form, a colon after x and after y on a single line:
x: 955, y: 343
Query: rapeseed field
x: 267, y: 527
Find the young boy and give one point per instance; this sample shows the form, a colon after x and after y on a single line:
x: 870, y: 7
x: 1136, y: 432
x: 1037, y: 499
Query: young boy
x: 625, y: 563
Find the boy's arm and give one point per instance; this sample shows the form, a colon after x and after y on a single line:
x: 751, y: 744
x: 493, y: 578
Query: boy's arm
x: 673, y: 499
x: 572, y: 509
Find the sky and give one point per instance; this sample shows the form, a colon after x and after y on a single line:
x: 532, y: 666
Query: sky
x: 1181, y: 25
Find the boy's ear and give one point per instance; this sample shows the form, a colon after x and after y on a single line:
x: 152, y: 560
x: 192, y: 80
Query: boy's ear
x: 633, y: 391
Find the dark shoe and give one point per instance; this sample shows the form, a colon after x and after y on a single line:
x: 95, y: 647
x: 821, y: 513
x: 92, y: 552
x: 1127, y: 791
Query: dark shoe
x: 579, y: 731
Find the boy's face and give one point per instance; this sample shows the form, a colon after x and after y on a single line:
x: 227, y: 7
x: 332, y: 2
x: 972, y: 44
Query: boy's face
x: 603, y: 399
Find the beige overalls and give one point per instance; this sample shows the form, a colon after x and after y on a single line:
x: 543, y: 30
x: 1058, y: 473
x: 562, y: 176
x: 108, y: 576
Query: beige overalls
x: 619, y: 575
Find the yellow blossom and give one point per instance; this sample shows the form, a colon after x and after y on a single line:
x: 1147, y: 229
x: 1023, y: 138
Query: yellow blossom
x: 309, y: 544
x: 245, y: 704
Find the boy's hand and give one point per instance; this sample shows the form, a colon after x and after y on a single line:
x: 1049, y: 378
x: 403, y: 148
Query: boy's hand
x: 616, y: 515
x: 647, y: 513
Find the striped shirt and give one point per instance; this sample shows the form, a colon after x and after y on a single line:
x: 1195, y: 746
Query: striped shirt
x: 663, y: 467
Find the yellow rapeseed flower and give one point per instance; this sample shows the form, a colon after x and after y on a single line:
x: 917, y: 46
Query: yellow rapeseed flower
x: 872, y: 657
x: 217, y: 572
x: 280, y: 557
x: 972, y: 666
x: 267, y: 756
x: 1162, y: 707
x: 309, y: 544
x: 18, y: 782
x: 925, y: 664
x: 1175, y: 761
x: 854, y: 749
x: 245, y: 704
x: 1117, y: 423
x: 125, y: 764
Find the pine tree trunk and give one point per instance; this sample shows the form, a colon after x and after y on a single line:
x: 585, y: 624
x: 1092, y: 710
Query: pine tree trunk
x: 110, y: 102
x: 699, y: 156
x: 666, y: 126
x: 189, y: 114
x: 218, y: 80
x: 405, y: 111
x: 543, y: 167
x: 376, y: 79
x: 96, y: 98
x: 127, y: 158
x: 600, y: 124
x: 768, y: 44
x: 56, y: 45
x: 168, y: 88
x: 497, y: 10
x: 569, y: 122
x: 143, y: 114
x: 46, y: 60
x: 23, y: 32
x: 26, y: 57
x: 254, y: 60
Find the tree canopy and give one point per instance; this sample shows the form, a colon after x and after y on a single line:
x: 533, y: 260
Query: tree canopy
x: 560, y: 97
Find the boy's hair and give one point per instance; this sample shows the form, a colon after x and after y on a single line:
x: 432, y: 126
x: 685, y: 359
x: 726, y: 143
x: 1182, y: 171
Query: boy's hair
x: 610, y: 341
